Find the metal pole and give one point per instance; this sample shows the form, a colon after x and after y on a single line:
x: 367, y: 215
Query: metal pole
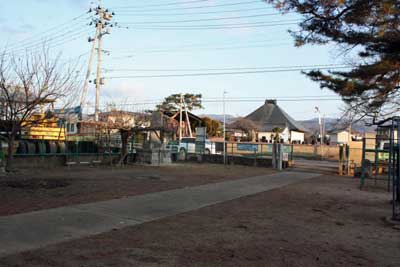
x: 224, y: 127
x: 398, y: 162
x: 396, y: 181
x: 391, y: 136
x: 320, y: 131
x: 180, y: 119
x: 393, y: 172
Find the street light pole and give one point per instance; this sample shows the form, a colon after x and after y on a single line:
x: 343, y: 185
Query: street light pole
x: 321, y: 131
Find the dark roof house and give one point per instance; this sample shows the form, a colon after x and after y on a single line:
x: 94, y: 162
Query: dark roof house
x: 270, y: 116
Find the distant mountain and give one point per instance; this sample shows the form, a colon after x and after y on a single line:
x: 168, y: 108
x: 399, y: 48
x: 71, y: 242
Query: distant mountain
x: 218, y: 117
x: 332, y: 124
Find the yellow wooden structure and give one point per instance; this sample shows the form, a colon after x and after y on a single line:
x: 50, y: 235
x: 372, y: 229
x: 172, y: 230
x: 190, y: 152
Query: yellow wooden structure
x: 39, y: 127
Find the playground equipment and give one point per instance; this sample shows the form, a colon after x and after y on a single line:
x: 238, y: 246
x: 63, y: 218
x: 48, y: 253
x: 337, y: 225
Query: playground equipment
x: 382, y: 161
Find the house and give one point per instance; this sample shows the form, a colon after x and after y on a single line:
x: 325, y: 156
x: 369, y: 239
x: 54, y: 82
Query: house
x: 339, y: 137
x: 242, y: 130
x: 270, y: 120
x: 342, y: 136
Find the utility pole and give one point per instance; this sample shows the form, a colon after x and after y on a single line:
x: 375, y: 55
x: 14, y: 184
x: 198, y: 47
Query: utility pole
x: 224, y: 127
x: 89, y: 70
x: 180, y: 118
x: 102, y: 22
x: 98, y: 76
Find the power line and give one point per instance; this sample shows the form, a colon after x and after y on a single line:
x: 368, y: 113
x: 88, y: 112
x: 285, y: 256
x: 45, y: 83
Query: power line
x: 236, y: 100
x: 280, y: 100
x: 53, y: 42
x: 46, y: 33
x: 234, y: 68
x: 123, y: 13
x: 186, y: 50
x: 190, y: 8
x: 206, y: 19
x: 222, y: 73
x: 165, y: 4
x: 241, y: 24
x: 197, y: 45
x: 209, y: 27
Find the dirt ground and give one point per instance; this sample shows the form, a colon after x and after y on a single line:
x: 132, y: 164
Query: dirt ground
x: 42, y: 189
x: 326, y: 221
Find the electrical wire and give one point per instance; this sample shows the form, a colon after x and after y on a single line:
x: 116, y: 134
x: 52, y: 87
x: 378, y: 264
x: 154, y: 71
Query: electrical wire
x: 233, y: 68
x: 209, y: 27
x: 196, y: 45
x: 136, y: 14
x: 241, y: 24
x: 165, y: 4
x: 190, y: 8
x: 60, y: 29
x: 52, y: 42
x: 224, y: 73
x: 204, y: 19
x: 233, y: 100
x: 188, y: 50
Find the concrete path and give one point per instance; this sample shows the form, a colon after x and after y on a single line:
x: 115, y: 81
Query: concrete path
x: 33, y: 230
x: 320, y: 166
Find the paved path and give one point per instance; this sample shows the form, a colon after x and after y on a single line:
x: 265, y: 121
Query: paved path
x: 33, y: 230
x: 321, y: 166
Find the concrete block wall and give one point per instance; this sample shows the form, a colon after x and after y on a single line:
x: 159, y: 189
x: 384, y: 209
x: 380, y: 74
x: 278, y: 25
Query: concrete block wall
x: 234, y: 160
x: 56, y: 161
x: 153, y: 156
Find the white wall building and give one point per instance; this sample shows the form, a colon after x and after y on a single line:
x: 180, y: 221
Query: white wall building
x: 269, y: 117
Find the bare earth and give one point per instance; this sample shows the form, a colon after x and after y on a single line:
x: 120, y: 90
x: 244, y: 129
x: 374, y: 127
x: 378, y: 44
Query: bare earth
x: 42, y: 189
x: 324, y: 221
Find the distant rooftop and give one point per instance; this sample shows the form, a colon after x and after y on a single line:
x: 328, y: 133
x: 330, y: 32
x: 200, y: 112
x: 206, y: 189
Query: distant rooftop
x: 270, y: 115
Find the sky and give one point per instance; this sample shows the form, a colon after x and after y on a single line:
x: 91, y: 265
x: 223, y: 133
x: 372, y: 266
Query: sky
x: 164, y: 37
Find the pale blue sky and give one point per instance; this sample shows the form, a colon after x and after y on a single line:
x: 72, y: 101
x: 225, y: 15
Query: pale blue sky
x: 25, y: 23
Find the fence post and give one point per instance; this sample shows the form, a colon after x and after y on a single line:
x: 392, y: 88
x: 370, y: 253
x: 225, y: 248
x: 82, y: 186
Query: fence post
x: 280, y: 156
x: 363, y: 163
x: 255, y: 156
x: 291, y: 153
x: 232, y: 157
x: 77, y: 151
x: 277, y: 155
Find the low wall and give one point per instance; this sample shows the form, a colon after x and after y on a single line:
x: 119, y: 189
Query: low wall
x: 153, y: 156
x: 234, y: 160
x: 56, y: 161
x: 47, y: 162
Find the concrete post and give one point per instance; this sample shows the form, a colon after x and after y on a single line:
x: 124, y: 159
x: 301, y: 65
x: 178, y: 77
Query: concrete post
x: 277, y: 156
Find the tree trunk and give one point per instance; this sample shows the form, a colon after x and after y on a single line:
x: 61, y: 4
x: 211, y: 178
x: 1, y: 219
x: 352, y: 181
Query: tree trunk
x: 10, y: 153
x: 124, y: 141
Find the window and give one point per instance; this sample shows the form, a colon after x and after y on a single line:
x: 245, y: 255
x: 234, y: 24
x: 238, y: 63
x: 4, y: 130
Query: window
x: 70, y: 127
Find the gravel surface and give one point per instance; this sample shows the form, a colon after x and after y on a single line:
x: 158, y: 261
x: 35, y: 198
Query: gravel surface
x: 326, y: 221
x: 42, y: 189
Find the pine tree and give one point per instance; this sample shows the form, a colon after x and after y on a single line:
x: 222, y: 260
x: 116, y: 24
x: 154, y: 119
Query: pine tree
x: 370, y: 29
